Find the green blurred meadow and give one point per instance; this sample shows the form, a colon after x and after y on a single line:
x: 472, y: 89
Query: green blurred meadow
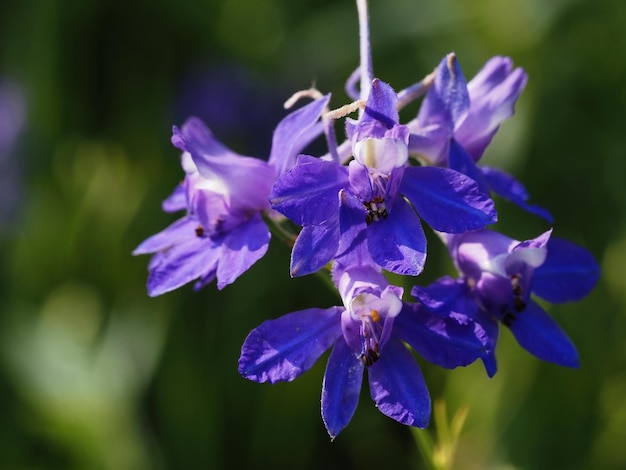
x: 94, y: 374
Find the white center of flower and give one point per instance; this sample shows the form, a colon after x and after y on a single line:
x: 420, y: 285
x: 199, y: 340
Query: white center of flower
x: 372, y: 311
x: 382, y: 155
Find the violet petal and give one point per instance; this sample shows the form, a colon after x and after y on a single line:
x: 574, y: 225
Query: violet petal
x: 341, y: 388
x: 282, y: 349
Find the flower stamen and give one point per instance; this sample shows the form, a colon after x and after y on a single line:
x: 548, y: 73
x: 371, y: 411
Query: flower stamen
x: 376, y: 210
x: 518, y: 298
x: 375, y: 316
x: 519, y: 304
x: 370, y: 348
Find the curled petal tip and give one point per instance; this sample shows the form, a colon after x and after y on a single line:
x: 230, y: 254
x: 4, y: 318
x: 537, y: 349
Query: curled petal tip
x: 451, y: 60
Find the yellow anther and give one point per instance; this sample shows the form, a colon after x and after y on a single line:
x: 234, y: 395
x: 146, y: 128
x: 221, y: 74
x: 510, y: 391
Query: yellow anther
x: 375, y: 315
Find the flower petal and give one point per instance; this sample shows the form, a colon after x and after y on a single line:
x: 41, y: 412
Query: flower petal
x: 352, y: 242
x: 398, y: 243
x: 241, y: 248
x: 495, y: 71
x: 446, y: 295
x: 308, y: 193
x: 447, y: 101
x: 447, y: 200
x: 462, y: 162
x: 478, y: 251
x: 431, y: 142
x: 381, y: 155
x: 451, y: 300
x: 341, y: 388
x: 177, y: 201
x: 314, y: 248
x: 398, y: 388
x: 540, y: 335
x: 214, y: 213
x: 292, y: 134
x: 492, y: 93
x: 380, y: 117
x: 490, y: 363
x: 569, y: 272
x: 282, y: 349
x: 245, y: 181
x: 449, y: 342
x: 182, y: 263
x: 182, y: 229
x: 509, y: 188
x: 381, y: 105
x: 527, y: 256
x: 360, y: 181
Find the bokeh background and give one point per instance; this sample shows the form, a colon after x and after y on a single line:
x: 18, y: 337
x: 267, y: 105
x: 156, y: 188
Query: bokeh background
x: 94, y: 374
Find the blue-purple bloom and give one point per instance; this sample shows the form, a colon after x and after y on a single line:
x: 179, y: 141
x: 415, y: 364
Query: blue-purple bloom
x: 377, y: 198
x: 225, y: 196
x: 498, y: 276
x: 458, y: 120
x: 367, y: 332
x: 360, y: 208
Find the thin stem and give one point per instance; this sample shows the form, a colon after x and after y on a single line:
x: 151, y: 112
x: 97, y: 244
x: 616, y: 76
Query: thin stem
x: 350, y: 87
x: 289, y: 238
x: 443, y: 430
x: 344, y: 151
x: 367, y: 74
x: 278, y: 231
x: 331, y: 137
x: 425, y: 445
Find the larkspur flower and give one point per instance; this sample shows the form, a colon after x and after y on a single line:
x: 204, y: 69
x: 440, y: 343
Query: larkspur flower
x: 225, y: 196
x: 458, y: 120
x: 377, y: 198
x: 367, y: 332
x: 498, y: 277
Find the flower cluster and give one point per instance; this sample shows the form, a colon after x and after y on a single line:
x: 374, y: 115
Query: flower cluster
x: 361, y: 210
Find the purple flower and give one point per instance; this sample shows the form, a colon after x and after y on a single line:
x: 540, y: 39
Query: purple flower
x: 367, y: 332
x: 457, y: 120
x: 225, y: 196
x: 469, y: 113
x: 377, y: 198
x: 492, y: 96
x: 498, y: 276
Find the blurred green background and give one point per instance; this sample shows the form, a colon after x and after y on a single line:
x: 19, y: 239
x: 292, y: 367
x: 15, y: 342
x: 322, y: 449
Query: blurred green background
x: 96, y: 375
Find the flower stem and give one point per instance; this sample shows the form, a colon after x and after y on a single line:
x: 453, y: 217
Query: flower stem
x: 279, y: 231
x: 367, y: 74
x: 289, y: 238
x: 439, y: 454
